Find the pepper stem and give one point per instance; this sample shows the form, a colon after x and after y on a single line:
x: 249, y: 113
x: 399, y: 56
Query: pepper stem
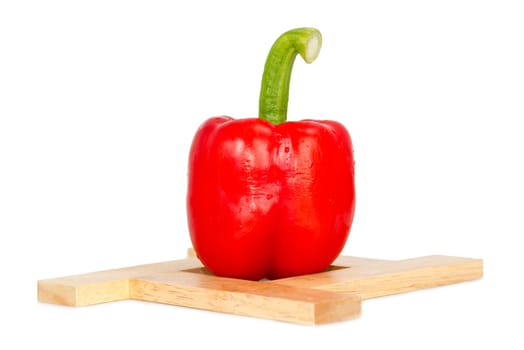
x: 274, y: 92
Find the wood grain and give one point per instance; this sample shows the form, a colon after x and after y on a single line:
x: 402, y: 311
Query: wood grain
x: 333, y: 295
x: 103, y: 286
x: 375, y: 278
x: 248, y: 298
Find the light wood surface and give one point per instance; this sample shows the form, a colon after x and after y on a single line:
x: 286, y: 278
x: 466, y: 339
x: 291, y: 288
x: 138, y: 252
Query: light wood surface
x: 249, y: 298
x: 103, y: 286
x: 330, y: 296
x: 371, y: 278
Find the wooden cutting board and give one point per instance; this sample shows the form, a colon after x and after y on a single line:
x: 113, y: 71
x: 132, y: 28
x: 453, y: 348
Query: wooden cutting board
x: 330, y: 296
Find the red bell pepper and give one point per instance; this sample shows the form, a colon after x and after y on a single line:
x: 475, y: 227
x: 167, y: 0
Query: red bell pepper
x: 269, y: 198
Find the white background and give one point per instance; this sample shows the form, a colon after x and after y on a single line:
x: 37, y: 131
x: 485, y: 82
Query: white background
x: 98, y: 104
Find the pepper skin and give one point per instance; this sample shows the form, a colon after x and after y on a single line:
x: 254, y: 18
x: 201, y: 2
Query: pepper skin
x: 270, y: 201
x: 269, y: 198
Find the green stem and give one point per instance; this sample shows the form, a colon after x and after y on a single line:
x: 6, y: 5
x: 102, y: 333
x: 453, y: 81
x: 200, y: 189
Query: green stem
x: 274, y: 92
